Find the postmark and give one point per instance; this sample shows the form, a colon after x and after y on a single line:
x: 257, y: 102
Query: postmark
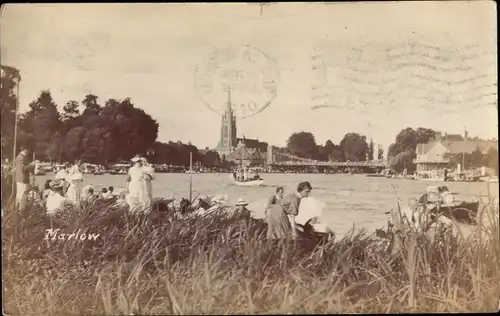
x: 427, y: 72
x: 243, y: 73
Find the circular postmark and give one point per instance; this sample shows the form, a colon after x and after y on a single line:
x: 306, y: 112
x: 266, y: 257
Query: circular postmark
x: 244, y: 75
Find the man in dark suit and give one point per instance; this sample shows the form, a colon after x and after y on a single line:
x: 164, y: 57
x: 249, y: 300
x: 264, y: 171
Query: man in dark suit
x: 22, y: 175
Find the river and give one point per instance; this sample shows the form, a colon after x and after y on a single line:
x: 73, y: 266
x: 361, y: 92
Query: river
x: 352, y: 199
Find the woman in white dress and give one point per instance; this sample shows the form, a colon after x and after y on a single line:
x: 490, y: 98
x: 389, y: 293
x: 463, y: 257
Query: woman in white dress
x: 137, y: 195
x: 148, y: 178
x: 75, y: 180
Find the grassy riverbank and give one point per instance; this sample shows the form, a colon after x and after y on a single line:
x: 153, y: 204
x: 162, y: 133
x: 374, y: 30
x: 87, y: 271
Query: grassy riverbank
x: 156, y: 265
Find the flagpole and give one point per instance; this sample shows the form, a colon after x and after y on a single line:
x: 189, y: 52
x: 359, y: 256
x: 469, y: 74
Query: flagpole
x: 191, y: 177
x: 15, y: 126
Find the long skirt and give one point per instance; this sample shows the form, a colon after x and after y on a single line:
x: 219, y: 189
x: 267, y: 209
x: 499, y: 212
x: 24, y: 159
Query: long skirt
x: 138, y: 198
x: 278, y: 223
x: 74, y: 191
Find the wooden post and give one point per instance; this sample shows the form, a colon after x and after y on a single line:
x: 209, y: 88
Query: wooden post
x: 190, y: 177
x: 15, y: 130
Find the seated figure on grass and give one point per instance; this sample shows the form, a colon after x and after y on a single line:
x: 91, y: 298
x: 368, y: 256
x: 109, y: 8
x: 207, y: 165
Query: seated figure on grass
x: 56, y: 201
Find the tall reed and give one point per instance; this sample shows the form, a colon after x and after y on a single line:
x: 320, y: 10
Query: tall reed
x: 160, y: 264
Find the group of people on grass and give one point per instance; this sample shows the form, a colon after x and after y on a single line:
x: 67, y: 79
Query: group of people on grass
x: 66, y: 188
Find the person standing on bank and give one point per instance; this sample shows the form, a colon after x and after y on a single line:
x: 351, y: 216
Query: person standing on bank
x: 137, y: 195
x: 291, y: 203
x: 149, y: 176
x: 22, y: 176
x: 281, y: 217
x: 75, y: 179
x: 276, y: 198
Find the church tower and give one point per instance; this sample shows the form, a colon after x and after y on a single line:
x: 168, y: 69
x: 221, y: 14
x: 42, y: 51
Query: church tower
x: 227, y: 142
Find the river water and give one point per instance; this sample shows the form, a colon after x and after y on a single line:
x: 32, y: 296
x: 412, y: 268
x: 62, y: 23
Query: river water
x: 352, y: 200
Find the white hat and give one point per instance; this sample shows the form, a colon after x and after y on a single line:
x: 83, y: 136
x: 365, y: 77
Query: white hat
x: 135, y: 159
x: 56, y: 184
x: 241, y: 202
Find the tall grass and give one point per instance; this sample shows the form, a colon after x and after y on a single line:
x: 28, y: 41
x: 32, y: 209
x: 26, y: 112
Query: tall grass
x: 160, y: 264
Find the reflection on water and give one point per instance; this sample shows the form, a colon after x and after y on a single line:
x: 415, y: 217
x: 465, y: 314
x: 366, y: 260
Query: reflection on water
x: 351, y: 199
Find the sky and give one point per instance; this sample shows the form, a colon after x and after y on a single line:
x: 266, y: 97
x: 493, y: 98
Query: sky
x: 329, y: 69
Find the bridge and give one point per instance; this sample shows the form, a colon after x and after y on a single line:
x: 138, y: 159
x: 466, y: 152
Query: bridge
x: 277, y: 157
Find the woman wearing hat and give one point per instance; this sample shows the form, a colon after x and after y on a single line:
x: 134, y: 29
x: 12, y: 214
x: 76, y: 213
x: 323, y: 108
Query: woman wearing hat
x: 56, y: 201
x: 149, y: 176
x: 137, y: 194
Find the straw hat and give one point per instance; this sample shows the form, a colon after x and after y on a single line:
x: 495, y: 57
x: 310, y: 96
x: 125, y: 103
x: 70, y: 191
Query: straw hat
x: 241, y: 202
x: 56, y: 184
x: 135, y: 159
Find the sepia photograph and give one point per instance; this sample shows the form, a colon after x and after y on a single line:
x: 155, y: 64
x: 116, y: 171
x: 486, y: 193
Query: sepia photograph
x: 249, y: 158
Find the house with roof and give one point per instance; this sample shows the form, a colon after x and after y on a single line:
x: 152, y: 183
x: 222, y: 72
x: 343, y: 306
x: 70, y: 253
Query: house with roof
x: 434, y: 156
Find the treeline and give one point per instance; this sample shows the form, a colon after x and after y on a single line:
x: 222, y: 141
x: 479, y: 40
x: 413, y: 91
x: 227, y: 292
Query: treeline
x: 88, y: 130
x: 353, y: 147
x: 117, y: 130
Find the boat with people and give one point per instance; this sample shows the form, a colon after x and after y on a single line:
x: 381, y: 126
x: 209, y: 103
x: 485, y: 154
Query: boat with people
x: 440, y: 201
x: 245, y: 176
x: 460, y: 210
x: 381, y: 174
x: 432, y: 175
x: 119, y: 169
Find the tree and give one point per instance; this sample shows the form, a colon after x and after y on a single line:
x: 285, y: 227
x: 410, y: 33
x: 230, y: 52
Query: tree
x: 303, y: 145
x: 337, y: 154
x: 403, y: 161
x: 92, y: 107
x: 490, y: 160
x: 72, y: 146
x: 380, y: 154
x: 354, y: 147
x: 474, y: 160
x: 9, y: 79
x: 211, y: 159
x: 70, y: 110
x: 43, y: 122
x: 403, y: 150
x: 371, y: 150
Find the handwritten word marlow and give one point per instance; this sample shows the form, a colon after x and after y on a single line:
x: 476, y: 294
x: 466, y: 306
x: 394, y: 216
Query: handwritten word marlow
x: 54, y: 234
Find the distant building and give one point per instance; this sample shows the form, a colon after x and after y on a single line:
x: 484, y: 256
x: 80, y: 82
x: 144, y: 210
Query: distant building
x: 435, y: 154
x: 256, y: 151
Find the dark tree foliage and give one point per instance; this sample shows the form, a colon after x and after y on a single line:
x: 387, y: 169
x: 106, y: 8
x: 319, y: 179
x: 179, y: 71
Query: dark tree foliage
x: 355, y: 147
x: 403, y: 151
x: 90, y: 131
x: 303, y: 145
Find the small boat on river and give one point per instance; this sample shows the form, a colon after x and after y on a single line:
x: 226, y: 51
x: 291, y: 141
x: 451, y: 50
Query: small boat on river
x: 383, y: 174
x: 248, y: 182
x: 460, y: 211
x: 246, y: 177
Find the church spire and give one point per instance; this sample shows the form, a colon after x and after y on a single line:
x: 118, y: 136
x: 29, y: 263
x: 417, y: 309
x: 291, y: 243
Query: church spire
x: 229, y: 109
